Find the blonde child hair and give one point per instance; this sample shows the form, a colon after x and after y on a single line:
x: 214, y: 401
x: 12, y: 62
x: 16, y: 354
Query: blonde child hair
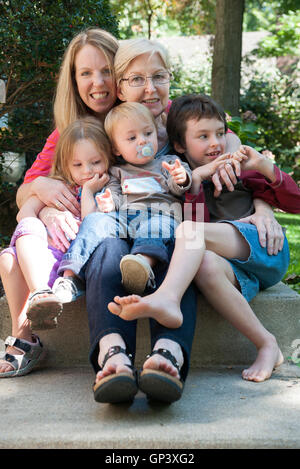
x: 68, y: 106
x: 130, y: 49
x: 130, y: 111
x: 88, y: 128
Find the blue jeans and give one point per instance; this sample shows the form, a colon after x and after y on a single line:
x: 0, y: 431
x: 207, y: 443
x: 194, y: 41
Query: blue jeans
x: 143, y: 230
x: 103, y: 283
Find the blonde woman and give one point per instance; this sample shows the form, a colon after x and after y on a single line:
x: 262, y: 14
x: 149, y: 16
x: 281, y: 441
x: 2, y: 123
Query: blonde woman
x: 86, y: 86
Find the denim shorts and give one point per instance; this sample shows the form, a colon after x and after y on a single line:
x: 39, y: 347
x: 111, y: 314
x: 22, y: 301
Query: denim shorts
x: 260, y: 270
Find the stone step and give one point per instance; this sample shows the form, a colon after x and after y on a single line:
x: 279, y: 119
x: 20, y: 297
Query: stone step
x: 216, y: 342
x: 55, y: 409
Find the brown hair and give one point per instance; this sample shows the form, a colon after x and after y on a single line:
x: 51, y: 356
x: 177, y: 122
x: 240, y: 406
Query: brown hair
x: 88, y: 128
x: 192, y: 106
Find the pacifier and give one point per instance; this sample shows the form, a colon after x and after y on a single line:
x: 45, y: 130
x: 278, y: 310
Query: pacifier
x: 146, y: 150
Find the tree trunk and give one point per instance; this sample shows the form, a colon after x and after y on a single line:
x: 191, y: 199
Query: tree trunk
x: 227, y: 54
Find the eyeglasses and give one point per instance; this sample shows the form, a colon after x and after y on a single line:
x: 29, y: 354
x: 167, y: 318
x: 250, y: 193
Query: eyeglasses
x: 160, y: 78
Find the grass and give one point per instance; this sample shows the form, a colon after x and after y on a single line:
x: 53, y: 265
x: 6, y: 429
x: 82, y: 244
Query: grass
x: 292, y: 224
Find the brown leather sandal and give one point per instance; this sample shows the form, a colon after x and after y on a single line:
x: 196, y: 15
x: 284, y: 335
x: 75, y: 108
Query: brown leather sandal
x: 117, y: 387
x: 159, y: 385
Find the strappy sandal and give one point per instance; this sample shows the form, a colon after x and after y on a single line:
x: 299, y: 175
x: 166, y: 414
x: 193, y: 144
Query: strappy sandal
x: 117, y: 387
x: 159, y: 385
x: 32, y: 354
x: 136, y: 274
x: 43, y: 312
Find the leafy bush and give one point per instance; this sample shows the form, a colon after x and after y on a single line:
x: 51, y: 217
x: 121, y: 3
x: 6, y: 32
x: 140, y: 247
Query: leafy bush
x: 273, y: 98
x: 33, y: 37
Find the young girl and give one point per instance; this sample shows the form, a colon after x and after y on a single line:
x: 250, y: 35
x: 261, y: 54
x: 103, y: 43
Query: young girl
x: 225, y: 259
x: 82, y: 159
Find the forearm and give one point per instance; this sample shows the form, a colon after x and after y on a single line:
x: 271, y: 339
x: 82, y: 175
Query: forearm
x: 266, y: 168
x: 233, y: 143
x: 88, y: 204
x: 24, y: 192
x: 196, y: 183
x: 31, y: 208
x: 262, y: 208
x: 28, y: 190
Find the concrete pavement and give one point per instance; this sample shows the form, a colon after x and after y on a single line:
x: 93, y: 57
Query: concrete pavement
x: 55, y: 409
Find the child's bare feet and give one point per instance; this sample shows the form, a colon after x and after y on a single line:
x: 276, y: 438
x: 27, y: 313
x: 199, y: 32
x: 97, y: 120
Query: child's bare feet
x: 159, y: 306
x: 269, y: 357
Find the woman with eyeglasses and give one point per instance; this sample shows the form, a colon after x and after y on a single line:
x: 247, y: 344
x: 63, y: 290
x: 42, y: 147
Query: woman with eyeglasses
x: 142, y: 72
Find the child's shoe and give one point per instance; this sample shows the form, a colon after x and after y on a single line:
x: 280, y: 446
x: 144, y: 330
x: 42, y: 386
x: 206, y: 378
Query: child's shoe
x: 136, y: 273
x: 44, y: 307
x: 68, y: 289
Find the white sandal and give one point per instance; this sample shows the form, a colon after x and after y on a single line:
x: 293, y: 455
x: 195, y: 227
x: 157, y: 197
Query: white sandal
x: 32, y: 354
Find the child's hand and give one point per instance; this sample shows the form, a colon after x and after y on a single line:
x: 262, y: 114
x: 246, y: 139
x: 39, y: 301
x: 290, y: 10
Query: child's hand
x: 252, y: 160
x: 105, y: 202
x: 222, y: 170
x: 177, y: 172
x: 96, y: 183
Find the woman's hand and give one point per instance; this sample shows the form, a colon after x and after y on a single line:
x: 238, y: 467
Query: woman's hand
x: 55, y: 193
x: 269, y: 230
x: 62, y: 226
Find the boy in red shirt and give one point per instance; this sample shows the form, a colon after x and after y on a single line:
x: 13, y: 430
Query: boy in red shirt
x: 225, y: 258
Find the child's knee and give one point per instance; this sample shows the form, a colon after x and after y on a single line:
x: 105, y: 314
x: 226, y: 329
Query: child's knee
x: 189, y: 229
x: 7, y: 263
x: 209, y: 270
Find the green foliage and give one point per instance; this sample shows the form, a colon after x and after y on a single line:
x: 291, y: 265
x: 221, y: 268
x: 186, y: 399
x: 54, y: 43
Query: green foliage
x: 33, y: 37
x: 192, y: 79
x: 273, y: 98
x: 244, y: 129
x: 263, y: 14
x: 292, y: 224
x: 284, y: 38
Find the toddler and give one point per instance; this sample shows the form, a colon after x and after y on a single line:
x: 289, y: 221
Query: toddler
x: 141, y: 200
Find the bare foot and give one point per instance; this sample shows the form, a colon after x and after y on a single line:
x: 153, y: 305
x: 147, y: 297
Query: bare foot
x: 160, y: 363
x: 159, y: 306
x: 269, y: 357
x: 115, y: 364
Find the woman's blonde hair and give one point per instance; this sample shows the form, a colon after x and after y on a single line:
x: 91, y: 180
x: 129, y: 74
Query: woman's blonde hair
x: 132, y: 48
x: 131, y: 111
x: 68, y: 106
x: 87, y: 128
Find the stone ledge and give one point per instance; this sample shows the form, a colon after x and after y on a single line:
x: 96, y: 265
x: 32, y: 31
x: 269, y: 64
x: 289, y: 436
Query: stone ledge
x: 215, y: 341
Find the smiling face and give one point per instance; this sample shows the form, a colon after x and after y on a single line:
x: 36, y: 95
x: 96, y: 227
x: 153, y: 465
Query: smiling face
x: 86, y: 162
x: 204, y: 141
x: 155, y: 98
x: 95, y: 83
x: 135, y: 140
